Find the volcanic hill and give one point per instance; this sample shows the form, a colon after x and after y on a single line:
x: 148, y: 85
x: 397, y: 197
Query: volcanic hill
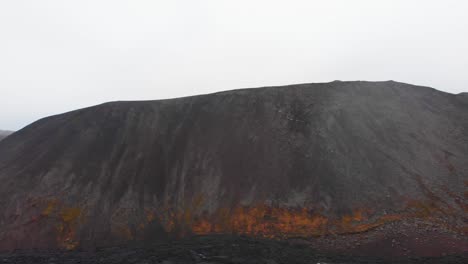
x: 4, y: 134
x: 356, y: 166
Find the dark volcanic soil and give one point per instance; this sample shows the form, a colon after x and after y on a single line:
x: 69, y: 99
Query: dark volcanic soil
x: 347, y: 164
x: 4, y: 134
x: 211, y: 249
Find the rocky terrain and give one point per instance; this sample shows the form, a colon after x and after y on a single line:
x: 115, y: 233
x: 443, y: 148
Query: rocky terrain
x: 356, y: 168
x: 214, y: 250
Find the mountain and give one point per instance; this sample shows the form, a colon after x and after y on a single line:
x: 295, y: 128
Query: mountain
x: 4, y: 134
x: 349, y: 166
x: 463, y: 96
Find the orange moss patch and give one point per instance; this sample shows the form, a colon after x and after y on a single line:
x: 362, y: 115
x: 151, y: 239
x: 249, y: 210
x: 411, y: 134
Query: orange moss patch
x: 66, y: 221
x: 51, y: 205
x: 291, y: 222
x: 150, y: 216
x: 367, y: 226
x: 262, y: 221
x: 286, y: 222
x: 69, y: 215
x: 278, y: 222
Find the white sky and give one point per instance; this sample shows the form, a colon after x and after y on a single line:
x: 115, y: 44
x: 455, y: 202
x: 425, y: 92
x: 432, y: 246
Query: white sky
x: 57, y: 56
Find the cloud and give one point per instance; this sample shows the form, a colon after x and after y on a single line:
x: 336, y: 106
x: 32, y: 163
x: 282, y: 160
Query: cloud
x: 62, y: 55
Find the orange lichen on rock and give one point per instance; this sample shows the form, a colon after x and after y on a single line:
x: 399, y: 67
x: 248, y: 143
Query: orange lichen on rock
x: 150, y: 216
x: 360, y: 227
x: 51, y: 205
x: 65, y: 219
x: 69, y: 217
x: 301, y: 222
x: 262, y: 221
x: 347, y: 221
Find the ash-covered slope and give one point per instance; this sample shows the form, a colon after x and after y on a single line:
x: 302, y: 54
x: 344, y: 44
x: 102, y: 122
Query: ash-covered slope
x: 302, y: 160
x: 4, y: 134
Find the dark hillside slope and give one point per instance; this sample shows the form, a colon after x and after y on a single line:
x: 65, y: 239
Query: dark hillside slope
x: 305, y: 160
x: 4, y: 134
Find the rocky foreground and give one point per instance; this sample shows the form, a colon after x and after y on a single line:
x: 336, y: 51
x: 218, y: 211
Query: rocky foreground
x: 210, y: 249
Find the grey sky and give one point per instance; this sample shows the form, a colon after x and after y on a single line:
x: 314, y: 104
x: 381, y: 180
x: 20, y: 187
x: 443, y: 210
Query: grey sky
x: 57, y: 56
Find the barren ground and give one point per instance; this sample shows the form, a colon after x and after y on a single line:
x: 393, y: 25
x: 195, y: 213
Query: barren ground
x: 208, y: 249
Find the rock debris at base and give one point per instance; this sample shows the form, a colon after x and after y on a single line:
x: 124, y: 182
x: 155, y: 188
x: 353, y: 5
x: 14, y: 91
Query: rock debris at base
x: 206, y: 250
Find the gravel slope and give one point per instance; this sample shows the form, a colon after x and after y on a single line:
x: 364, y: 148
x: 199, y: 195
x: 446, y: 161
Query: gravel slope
x: 309, y: 160
x: 4, y: 134
x: 214, y: 250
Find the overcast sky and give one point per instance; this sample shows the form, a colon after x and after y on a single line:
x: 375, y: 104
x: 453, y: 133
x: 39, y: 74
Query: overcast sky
x: 57, y: 56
